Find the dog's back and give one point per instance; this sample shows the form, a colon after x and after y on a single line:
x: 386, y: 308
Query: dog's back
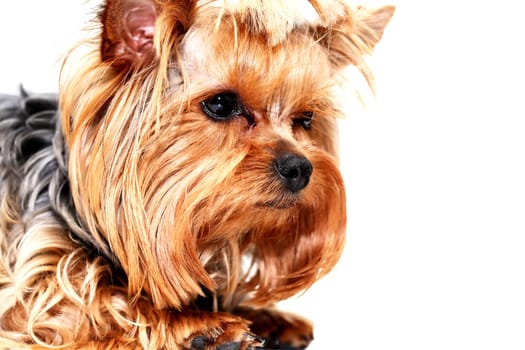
x: 28, y: 161
x: 33, y: 171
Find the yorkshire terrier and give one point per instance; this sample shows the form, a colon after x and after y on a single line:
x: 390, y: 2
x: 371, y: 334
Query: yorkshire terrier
x: 185, y: 179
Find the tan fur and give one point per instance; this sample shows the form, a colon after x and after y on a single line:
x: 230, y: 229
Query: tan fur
x: 180, y: 200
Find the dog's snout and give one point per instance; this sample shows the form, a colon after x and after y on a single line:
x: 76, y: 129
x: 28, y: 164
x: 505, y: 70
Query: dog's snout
x: 294, y: 171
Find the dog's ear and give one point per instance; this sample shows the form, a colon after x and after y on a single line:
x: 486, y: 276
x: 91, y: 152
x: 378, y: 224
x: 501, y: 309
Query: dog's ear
x: 351, y: 33
x: 127, y: 31
x: 128, y: 28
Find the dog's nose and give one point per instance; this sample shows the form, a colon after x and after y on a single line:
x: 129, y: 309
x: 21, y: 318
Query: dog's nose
x: 294, y: 171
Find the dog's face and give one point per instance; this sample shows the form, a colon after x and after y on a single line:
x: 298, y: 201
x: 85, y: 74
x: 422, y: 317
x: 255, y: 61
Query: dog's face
x: 203, y: 144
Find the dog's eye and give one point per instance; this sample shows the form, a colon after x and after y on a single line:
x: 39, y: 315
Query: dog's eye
x: 222, y: 106
x: 304, y: 120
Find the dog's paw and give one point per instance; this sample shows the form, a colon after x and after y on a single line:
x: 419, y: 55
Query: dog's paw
x: 248, y: 342
x: 221, y: 332
x: 280, y: 330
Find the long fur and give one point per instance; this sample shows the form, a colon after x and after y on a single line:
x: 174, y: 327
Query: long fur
x: 124, y: 211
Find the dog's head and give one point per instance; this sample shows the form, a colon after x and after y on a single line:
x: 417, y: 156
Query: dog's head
x: 203, y: 144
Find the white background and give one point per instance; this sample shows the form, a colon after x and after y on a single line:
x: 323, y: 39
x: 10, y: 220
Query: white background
x: 435, y: 170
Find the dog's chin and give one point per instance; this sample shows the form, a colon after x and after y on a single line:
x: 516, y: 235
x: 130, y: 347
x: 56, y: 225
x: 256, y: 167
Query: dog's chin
x: 281, y: 203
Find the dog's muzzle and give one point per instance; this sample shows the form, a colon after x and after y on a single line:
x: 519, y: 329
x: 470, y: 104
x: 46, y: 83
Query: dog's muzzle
x: 294, y: 171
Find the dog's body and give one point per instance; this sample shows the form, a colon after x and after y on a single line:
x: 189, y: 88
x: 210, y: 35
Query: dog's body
x: 187, y: 182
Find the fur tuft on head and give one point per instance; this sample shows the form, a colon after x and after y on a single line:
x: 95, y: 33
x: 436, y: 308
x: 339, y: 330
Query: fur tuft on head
x: 348, y: 32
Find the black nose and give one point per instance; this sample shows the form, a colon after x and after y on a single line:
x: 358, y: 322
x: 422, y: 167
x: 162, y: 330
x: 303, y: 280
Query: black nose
x: 294, y: 171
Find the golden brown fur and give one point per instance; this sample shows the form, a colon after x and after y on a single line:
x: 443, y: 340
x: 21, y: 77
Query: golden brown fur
x: 180, y: 209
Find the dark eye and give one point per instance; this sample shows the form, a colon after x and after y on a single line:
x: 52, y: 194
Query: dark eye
x: 222, y: 106
x: 304, y: 120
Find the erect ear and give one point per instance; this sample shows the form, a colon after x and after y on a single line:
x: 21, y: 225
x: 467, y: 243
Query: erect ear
x: 128, y: 27
x: 353, y: 34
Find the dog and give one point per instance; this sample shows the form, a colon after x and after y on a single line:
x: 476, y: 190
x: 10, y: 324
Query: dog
x: 184, y: 180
